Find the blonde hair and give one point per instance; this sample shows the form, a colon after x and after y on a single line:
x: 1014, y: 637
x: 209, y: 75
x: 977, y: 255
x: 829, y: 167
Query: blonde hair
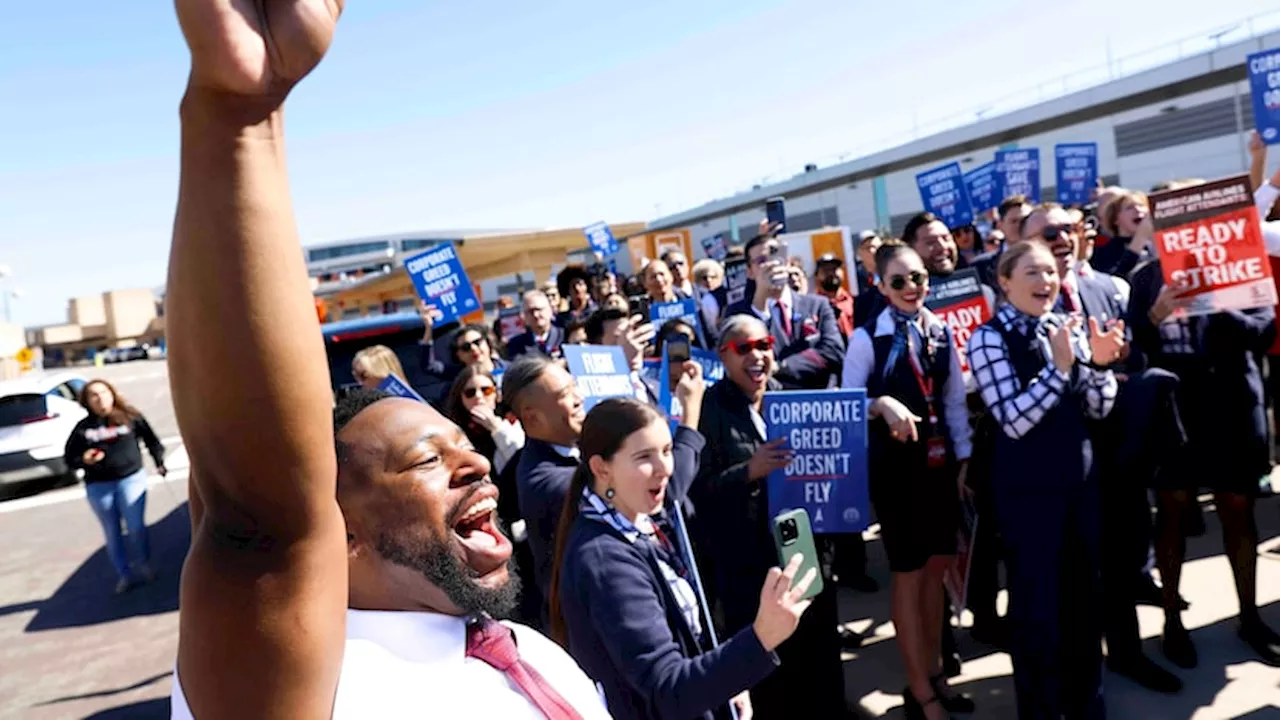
x: 381, y: 360
x: 705, y: 267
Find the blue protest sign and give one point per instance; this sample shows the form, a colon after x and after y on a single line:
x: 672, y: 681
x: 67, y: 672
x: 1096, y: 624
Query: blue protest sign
x: 944, y: 194
x: 1264, y: 81
x: 1019, y: 172
x: 601, y: 238
x: 716, y: 246
x: 712, y: 368
x: 1076, y: 168
x: 984, y: 188
x: 399, y: 388
x: 601, y: 371
x: 441, y: 282
x: 686, y: 310
x: 827, y: 431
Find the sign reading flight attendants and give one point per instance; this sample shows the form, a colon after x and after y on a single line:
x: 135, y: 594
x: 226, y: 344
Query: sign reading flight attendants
x: 441, y: 282
x: 601, y: 372
x: 1019, y: 172
x: 959, y: 302
x: 827, y: 432
x: 1209, y: 238
x: 1076, y: 166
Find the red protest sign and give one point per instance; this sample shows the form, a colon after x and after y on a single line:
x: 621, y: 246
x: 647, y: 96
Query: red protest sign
x: 1209, y: 238
x: 959, y: 302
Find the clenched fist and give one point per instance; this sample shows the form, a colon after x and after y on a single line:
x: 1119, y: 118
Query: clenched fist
x: 256, y: 47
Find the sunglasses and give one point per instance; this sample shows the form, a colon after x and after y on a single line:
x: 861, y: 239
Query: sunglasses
x: 770, y: 252
x: 744, y: 347
x: 1053, y: 232
x: 487, y: 391
x: 915, y: 277
x: 470, y: 345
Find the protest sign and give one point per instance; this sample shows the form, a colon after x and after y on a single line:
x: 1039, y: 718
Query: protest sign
x: 601, y: 239
x: 735, y: 279
x: 983, y: 186
x: 827, y: 431
x: 601, y: 372
x: 1019, y: 172
x: 959, y: 302
x: 685, y: 309
x: 510, y: 324
x: 715, y: 246
x: 945, y: 194
x: 1264, y: 81
x: 1208, y: 237
x: 395, y: 386
x: 1076, y: 167
x: 442, y: 283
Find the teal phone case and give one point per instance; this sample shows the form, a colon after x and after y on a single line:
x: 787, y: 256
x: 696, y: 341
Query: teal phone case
x: 801, y: 544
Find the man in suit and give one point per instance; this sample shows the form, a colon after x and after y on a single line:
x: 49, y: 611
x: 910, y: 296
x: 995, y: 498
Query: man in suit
x: 1126, y: 511
x: 541, y: 334
x: 734, y: 535
x: 806, y: 338
x: 545, y: 398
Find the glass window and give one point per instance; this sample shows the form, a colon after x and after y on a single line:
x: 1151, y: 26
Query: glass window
x: 329, y: 253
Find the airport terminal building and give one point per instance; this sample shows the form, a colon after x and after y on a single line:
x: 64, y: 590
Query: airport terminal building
x: 1188, y: 117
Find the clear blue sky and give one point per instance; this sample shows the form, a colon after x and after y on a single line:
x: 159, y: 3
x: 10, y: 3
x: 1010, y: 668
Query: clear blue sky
x: 508, y: 113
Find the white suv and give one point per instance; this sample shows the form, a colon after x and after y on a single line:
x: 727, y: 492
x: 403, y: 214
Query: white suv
x: 37, y: 415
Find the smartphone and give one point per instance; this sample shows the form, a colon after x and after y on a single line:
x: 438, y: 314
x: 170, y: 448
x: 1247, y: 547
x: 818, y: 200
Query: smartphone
x: 775, y: 211
x: 678, y: 350
x: 639, y: 306
x: 793, y: 536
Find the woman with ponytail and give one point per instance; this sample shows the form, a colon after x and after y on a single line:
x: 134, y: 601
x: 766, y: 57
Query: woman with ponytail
x: 623, y: 600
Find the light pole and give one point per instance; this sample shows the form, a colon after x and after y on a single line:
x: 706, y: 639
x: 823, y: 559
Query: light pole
x: 5, y: 272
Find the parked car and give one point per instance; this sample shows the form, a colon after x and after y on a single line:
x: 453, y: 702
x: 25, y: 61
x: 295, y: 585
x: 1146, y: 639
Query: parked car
x: 37, y: 415
x: 402, y: 332
x: 119, y: 355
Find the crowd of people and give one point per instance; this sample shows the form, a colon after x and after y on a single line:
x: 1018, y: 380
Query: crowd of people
x: 352, y: 554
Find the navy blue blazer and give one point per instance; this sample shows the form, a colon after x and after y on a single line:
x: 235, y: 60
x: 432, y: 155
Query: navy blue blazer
x: 814, y: 350
x: 613, y: 596
x: 1220, y: 396
x: 542, y: 483
x: 733, y: 512
x: 526, y: 343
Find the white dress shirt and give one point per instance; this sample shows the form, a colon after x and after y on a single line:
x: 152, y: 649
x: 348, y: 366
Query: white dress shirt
x: 768, y: 314
x: 414, y: 665
x: 1265, y: 198
x: 860, y: 362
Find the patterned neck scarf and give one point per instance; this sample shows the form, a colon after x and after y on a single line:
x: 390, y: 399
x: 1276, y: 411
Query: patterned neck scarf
x: 907, y: 341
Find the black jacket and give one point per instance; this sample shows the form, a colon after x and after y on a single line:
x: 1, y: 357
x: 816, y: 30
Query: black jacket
x: 119, y: 443
x: 526, y: 343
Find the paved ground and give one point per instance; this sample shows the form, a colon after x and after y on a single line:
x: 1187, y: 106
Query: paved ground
x: 70, y: 649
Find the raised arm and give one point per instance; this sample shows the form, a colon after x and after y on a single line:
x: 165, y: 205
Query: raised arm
x: 264, y: 588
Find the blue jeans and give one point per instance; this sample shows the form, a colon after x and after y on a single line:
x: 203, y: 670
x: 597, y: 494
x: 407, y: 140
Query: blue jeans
x: 124, y: 499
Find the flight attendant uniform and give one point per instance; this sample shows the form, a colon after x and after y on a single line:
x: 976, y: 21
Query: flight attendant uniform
x: 1045, y: 494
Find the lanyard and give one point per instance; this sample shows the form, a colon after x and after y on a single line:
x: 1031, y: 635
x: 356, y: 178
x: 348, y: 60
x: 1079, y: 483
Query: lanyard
x: 925, y: 383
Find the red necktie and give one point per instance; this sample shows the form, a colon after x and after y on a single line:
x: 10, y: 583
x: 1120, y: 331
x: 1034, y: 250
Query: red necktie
x: 1069, y: 296
x: 492, y: 642
x: 786, y: 318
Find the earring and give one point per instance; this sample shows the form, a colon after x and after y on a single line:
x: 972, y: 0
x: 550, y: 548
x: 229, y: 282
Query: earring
x: 609, y: 493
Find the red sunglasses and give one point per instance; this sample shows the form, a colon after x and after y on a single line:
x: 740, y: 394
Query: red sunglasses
x: 744, y: 347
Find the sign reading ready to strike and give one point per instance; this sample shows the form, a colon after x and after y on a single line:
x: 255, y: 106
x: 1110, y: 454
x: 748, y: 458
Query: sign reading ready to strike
x: 1077, y: 171
x: 442, y: 283
x: 944, y: 194
x: 1264, y: 81
x: 601, y: 372
x: 827, y: 431
x: 959, y: 302
x: 1019, y: 172
x: 1208, y: 237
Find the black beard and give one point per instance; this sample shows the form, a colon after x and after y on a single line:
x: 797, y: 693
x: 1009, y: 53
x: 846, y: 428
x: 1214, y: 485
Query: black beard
x: 434, y: 558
